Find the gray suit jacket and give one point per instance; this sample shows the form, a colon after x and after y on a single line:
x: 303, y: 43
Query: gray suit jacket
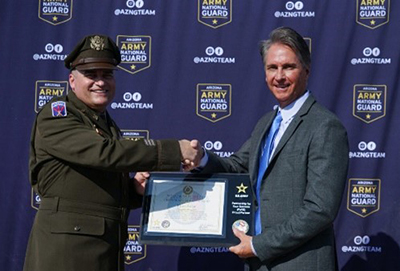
x: 301, y: 190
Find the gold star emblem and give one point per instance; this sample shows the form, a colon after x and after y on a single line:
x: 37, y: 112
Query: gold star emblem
x: 364, y: 211
x: 241, y: 188
x: 128, y: 257
x: 55, y: 18
x: 156, y: 222
x: 372, y: 22
x: 133, y: 67
x: 215, y: 21
x: 368, y: 116
x: 213, y: 115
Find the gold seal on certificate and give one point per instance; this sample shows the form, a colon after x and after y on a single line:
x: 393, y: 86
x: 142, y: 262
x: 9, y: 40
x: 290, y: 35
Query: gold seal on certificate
x: 196, y: 209
x: 241, y: 225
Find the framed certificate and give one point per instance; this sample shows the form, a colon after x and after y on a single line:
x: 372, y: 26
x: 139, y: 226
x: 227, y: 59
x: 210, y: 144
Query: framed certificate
x: 195, y: 209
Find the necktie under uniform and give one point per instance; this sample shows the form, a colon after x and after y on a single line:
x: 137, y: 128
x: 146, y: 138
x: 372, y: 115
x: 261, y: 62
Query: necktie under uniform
x: 264, y: 161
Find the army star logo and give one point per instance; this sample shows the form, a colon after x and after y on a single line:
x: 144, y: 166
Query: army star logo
x: 241, y: 188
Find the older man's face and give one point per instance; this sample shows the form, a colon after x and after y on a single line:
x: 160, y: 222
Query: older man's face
x: 284, y: 74
x: 96, y: 88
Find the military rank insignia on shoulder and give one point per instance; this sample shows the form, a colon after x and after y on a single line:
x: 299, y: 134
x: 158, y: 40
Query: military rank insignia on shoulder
x: 59, y: 109
x: 149, y: 142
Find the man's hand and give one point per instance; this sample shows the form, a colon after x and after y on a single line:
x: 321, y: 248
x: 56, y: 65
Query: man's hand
x: 140, y: 181
x: 192, y: 152
x: 243, y: 250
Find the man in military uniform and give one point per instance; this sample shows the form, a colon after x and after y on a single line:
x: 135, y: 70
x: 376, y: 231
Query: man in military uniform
x: 79, y: 165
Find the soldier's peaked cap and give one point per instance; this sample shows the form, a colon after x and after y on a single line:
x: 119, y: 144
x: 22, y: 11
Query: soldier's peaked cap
x: 94, y: 52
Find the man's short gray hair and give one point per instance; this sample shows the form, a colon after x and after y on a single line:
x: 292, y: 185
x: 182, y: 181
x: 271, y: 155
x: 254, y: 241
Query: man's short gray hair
x: 287, y: 36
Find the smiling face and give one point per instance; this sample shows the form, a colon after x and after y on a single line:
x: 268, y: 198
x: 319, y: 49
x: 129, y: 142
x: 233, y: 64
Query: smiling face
x: 284, y: 74
x: 95, y: 88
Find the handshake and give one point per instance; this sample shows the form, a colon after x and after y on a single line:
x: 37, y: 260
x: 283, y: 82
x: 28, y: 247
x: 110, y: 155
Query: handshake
x: 191, y: 152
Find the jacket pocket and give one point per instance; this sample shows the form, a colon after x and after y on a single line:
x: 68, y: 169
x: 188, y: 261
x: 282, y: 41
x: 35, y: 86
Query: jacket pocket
x: 73, y: 223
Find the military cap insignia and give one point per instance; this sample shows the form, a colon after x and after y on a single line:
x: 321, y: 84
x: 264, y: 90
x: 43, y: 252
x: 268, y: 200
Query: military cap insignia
x: 97, y: 43
x: 59, y: 109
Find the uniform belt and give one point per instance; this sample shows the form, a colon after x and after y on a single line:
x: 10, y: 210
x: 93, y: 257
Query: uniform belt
x: 81, y: 207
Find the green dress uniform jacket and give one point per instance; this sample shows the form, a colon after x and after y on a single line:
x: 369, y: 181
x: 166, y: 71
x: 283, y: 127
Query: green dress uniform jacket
x: 79, y: 166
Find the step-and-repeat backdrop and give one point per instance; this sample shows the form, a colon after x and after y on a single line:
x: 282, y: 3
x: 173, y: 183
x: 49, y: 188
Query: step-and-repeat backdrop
x: 192, y: 69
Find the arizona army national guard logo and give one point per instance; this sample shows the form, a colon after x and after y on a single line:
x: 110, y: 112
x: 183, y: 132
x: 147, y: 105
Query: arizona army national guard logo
x: 214, y: 13
x: 135, y: 134
x: 369, y: 102
x: 55, y: 11
x: 135, y: 53
x: 363, y: 196
x: 133, y: 251
x: 372, y: 13
x: 47, y: 90
x: 213, y: 101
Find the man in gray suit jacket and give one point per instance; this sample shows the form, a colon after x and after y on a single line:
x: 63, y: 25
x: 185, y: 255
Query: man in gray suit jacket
x: 301, y: 189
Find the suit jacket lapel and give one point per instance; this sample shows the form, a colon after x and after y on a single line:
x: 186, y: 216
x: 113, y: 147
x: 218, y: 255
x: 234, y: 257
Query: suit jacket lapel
x: 294, y: 124
x: 258, y: 145
x: 288, y: 133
